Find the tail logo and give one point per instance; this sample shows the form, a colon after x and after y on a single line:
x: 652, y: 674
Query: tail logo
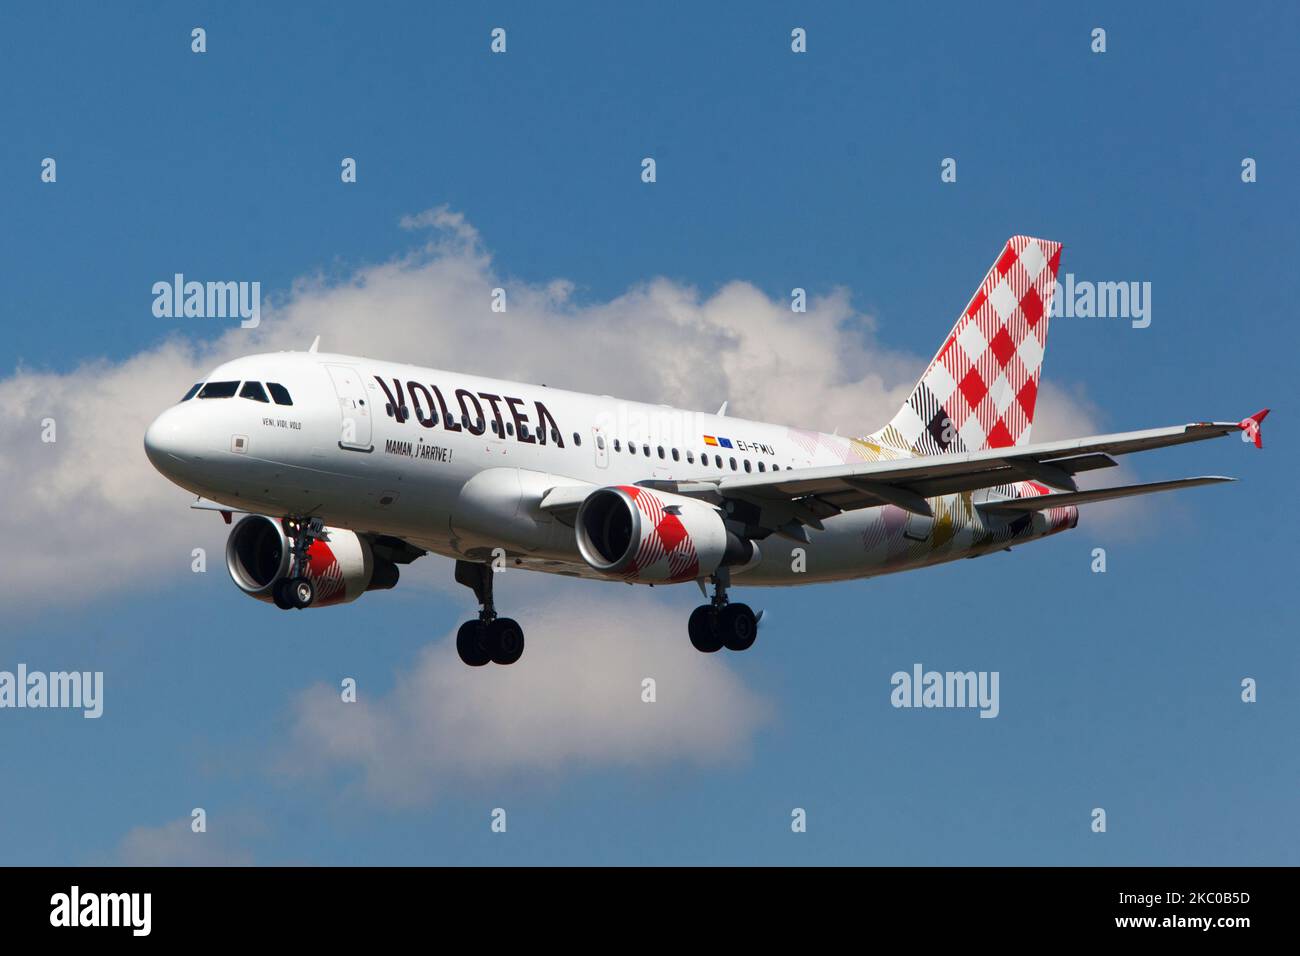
x: 980, y: 390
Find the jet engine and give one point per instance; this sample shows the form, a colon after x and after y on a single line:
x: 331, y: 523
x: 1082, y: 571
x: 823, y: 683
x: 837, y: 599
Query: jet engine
x: 258, y: 554
x: 639, y: 534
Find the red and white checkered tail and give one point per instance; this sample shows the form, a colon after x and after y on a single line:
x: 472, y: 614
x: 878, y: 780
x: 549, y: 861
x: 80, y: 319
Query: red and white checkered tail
x: 979, y: 391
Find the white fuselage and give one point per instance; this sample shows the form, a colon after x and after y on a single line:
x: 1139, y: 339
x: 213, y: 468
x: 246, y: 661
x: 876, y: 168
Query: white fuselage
x: 455, y: 464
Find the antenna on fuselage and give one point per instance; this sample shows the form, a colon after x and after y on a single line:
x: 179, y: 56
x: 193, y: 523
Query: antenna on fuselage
x: 314, y: 342
x: 723, y: 410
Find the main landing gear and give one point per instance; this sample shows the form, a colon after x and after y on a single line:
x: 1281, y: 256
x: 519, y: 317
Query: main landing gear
x: 490, y: 638
x: 295, y: 590
x: 720, y: 623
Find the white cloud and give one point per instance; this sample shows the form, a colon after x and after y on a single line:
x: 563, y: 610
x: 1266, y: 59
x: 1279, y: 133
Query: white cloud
x: 175, y: 844
x: 91, y: 506
x: 574, y: 701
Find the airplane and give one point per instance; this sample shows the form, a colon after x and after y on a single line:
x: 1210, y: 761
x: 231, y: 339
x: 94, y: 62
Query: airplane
x: 347, y: 467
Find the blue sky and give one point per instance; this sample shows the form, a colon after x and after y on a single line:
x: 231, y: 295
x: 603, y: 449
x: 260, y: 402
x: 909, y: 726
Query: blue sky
x: 821, y: 170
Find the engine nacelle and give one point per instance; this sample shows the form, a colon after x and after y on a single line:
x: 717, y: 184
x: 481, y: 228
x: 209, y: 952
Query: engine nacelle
x: 639, y: 534
x: 258, y: 554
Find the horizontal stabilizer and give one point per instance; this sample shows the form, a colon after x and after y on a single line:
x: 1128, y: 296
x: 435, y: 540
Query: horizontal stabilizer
x: 1018, y: 505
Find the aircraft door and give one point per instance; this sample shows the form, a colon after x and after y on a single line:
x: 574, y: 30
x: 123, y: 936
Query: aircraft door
x: 354, y: 425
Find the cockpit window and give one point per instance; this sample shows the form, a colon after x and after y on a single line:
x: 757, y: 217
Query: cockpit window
x: 219, y: 390
x: 279, y: 393
x: 254, y: 391
x: 192, y: 392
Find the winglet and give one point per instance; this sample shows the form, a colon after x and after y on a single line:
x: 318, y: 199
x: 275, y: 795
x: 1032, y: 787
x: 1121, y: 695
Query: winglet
x: 1250, y: 428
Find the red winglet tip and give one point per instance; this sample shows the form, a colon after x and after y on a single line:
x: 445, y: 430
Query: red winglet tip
x: 1251, y: 429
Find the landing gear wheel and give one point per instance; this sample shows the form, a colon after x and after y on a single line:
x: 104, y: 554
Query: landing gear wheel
x: 703, y: 628
x: 471, y: 644
x: 301, y: 592
x: 280, y: 595
x: 505, y: 641
x: 490, y: 638
x: 737, y: 627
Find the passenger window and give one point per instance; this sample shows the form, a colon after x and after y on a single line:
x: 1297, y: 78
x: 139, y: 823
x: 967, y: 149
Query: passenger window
x: 717, y: 461
x: 676, y: 457
x: 646, y: 449
x: 747, y: 464
x: 279, y: 393
x: 254, y: 391
x: 733, y: 464
x: 192, y: 392
x: 494, y: 426
x: 219, y: 390
x: 600, y: 442
x: 555, y: 436
x: 510, y: 429
x: 661, y: 451
x: 762, y: 467
x: 690, y: 457
x: 617, y: 446
x: 523, y: 432
x: 577, y: 439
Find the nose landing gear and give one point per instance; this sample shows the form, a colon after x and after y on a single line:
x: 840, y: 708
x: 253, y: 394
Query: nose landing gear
x: 490, y: 638
x: 293, y: 593
x: 296, y: 590
x: 720, y: 623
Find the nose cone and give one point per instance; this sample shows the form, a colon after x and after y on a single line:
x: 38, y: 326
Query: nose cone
x: 168, y: 442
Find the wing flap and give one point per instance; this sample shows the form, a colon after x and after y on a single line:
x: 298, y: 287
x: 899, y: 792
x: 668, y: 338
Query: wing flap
x: 1022, y: 505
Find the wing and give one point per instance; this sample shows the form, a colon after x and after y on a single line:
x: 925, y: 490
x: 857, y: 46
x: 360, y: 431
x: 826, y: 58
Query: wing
x: 784, y: 502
